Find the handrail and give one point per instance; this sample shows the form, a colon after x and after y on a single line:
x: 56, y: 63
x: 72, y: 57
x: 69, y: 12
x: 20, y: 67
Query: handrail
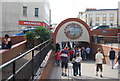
x: 107, y: 36
x: 22, y: 55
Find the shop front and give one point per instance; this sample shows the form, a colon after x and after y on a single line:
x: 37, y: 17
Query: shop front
x: 33, y: 24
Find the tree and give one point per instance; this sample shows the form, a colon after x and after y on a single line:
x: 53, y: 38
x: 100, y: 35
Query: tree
x: 30, y: 39
x: 40, y: 35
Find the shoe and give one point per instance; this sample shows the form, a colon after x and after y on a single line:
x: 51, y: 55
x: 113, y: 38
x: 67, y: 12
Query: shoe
x: 74, y: 75
x: 96, y: 74
x: 65, y: 74
x: 79, y: 74
x: 62, y: 74
x: 101, y: 76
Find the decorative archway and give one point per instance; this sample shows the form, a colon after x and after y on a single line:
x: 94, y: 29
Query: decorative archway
x: 72, y: 29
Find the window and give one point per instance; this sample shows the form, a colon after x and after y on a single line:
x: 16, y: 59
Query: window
x: 111, y: 15
x: 90, y: 15
x: 90, y: 23
x: 24, y: 10
x: 104, y: 22
x: 36, y: 12
x: 97, y: 23
x: 111, y: 23
x: 97, y: 15
x: 104, y: 15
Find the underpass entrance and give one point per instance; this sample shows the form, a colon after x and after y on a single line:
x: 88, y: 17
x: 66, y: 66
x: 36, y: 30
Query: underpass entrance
x: 73, y: 32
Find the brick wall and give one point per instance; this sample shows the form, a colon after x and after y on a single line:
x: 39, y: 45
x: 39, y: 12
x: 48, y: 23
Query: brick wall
x: 109, y: 32
x: 8, y: 54
x: 47, y: 70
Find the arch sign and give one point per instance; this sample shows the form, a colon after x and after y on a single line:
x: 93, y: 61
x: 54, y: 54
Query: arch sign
x: 72, y: 29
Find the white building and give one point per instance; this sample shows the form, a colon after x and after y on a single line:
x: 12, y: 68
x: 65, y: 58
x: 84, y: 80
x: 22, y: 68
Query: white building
x: 19, y: 14
x: 119, y: 13
x: 10, y: 14
x: 95, y: 17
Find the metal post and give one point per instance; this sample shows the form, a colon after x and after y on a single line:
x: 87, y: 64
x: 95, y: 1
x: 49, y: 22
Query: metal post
x: 14, y: 71
x: 32, y: 64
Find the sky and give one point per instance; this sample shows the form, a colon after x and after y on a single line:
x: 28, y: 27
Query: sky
x: 63, y: 9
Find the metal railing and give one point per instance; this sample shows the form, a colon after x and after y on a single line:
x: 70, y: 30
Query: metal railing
x: 106, y: 39
x: 2, y: 33
x: 15, y: 70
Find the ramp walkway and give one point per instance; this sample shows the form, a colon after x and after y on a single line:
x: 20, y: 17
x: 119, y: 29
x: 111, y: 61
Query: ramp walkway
x: 88, y: 72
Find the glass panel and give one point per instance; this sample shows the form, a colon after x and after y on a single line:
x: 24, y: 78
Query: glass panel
x: 36, y: 12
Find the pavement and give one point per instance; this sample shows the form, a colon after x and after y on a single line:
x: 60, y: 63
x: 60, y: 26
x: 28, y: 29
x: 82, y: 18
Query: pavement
x: 88, y: 72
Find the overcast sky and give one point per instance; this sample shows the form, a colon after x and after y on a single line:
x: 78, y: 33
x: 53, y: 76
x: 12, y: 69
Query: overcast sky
x: 63, y: 9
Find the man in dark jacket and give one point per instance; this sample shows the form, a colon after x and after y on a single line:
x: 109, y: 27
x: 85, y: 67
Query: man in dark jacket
x: 111, y: 57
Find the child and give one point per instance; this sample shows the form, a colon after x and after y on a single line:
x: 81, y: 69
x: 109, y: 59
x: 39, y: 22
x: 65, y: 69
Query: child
x: 57, y: 58
x: 78, y: 60
x: 75, y: 67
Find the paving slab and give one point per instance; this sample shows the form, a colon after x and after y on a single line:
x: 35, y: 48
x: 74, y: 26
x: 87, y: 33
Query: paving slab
x: 88, y: 72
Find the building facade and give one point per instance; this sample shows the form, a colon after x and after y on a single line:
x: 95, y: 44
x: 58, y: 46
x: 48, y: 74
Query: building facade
x: 18, y: 15
x: 119, y: 13
x: 10, y: 14
x: 96, y: 17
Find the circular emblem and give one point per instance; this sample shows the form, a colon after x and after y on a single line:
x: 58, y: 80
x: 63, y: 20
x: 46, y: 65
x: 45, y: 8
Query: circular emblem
x: 73, y: 31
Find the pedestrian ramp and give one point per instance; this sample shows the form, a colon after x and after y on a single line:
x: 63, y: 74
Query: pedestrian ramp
x: 87, y: 72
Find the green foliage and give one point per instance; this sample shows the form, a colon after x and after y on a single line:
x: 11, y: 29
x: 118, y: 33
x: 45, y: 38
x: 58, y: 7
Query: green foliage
x: 52, y: 46
x: 30, y: 38
x: 30, y: 35
x: 42, y: 34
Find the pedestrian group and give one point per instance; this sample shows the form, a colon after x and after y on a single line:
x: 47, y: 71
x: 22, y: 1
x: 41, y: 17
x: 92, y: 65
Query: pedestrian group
x: 76, y: 55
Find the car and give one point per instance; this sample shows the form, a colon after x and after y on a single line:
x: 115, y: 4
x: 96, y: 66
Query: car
x: 100, y: 27
x: 23, y: 32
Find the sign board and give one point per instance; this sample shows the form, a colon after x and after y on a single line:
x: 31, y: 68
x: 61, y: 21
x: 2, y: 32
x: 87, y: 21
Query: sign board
x: 104, y: 31
x: 72, y: 29
x: 31, y: 23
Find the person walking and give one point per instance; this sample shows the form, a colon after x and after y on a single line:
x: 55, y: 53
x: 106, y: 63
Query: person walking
x: 75, y: 67
x: 88, y: 53
x: 57, y: 57
x: 57, y: 46
x: 111, y: 55
x: 78, y: 60
x: 83, y: 53
x: 64, y: 60
x: 71, y: 53
x: 99, y: 61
